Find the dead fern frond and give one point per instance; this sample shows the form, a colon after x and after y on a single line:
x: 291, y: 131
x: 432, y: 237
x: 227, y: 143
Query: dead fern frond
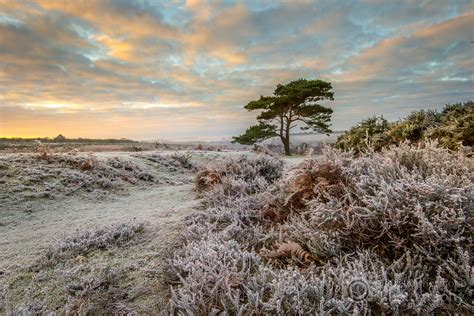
x: 288, y: 250
x: 309, y: 181
x: 206, y: 179
x: 45, y: 152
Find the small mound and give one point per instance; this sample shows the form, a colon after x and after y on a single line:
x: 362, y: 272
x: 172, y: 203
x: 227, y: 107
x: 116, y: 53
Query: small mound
x: 26, y: 177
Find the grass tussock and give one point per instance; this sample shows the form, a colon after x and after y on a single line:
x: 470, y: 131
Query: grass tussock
x: 79, y: 245
x: 383, y: 232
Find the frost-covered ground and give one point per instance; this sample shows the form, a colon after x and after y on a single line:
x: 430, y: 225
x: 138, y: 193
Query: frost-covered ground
x: 47, y: 198
x: 238, y: 232
x: 312, y: 140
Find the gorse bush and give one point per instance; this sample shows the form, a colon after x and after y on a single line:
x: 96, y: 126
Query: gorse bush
x: 414, y: 126
x: 457, y: 126
x: 370, y: 132
x: 385, y: 232
x: 452, y: 127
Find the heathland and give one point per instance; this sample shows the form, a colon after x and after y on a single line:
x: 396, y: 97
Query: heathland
x: 379, y: 222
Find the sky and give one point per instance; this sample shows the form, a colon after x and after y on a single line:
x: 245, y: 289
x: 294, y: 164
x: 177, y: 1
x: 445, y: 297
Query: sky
x: 185, y: 69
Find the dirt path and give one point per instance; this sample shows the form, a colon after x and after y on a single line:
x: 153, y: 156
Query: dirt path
x: 30, y: 229
x: 31, y: 232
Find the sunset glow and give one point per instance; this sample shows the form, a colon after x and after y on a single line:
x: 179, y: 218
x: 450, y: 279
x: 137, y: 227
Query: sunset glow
x: 178, y: 69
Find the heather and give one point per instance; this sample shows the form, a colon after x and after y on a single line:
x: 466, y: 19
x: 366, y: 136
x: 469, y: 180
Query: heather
x: 240, y: 175
x: 386, y: 231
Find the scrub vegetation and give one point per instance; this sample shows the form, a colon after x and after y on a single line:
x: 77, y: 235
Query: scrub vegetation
x: 381, y: 232
x: 453, y: 128
x: 381, y: 223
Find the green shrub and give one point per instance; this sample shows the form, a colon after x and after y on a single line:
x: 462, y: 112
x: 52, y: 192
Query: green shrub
x: 457, y: 126
x: 414, y: 126
x: 371, y: 132
x: 452, y: 127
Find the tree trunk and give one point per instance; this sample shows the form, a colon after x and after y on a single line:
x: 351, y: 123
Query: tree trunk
x: 286, y: 142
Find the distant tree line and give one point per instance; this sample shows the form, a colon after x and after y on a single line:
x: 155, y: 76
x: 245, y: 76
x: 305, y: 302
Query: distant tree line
x: 61, y: 139
x: 452, y: 127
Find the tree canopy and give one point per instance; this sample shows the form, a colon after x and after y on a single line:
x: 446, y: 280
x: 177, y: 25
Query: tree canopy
x: 291, y: 105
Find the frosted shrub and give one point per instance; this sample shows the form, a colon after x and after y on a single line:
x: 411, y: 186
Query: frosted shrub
x: 237, y: 177
x: 310, y: 180
x: 384, y: 232
x: 248, y: 168
x: 405, y: 199
x: 184, y: 160
x: 86, y: 241
x: 175, y: 160
x: 238, y: 219
x: 212, y: 272
x: 360, y: 285
x: 219, y: 277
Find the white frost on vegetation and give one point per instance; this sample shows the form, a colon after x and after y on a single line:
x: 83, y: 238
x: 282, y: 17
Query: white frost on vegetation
x: 25, y: 177
x: 396, y: 223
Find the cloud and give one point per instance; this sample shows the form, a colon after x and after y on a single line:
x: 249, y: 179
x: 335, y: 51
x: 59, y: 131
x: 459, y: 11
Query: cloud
x: 447, y: 43
x: 144, y: 69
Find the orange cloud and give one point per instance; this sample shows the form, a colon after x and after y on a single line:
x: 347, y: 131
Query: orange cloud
x: 206, y: 36
x: 117, y: 48
x: 74, y: 66
x: 111, y: 20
